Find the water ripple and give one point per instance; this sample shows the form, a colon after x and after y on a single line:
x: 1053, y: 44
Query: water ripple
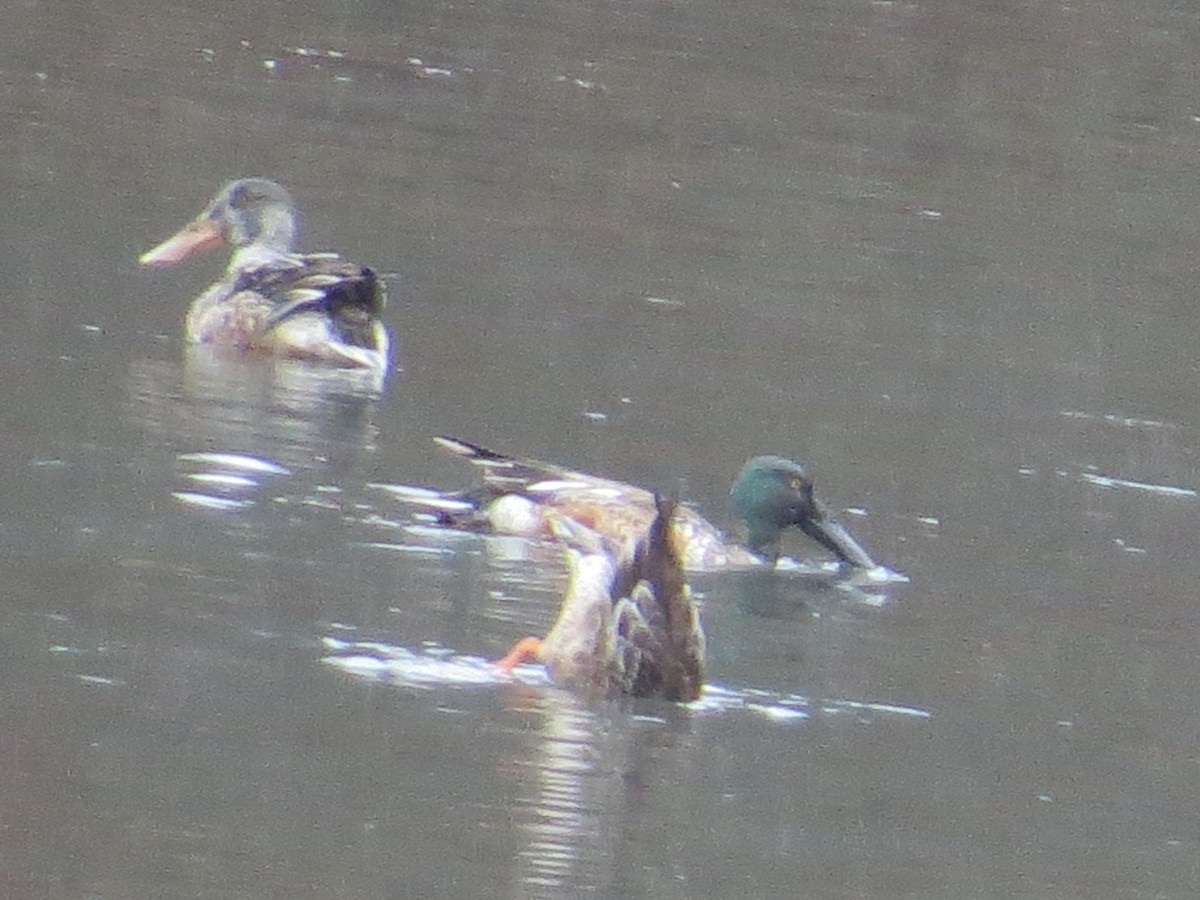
x: 1120, y: 421
x: 431, y: 666
x: 1110, y: 481
x: 436, y: 666
x: 241, y: 461
x: 224, y: 479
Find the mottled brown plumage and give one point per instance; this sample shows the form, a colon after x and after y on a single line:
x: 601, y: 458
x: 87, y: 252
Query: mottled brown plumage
x: 522, y: 496
x: 628, y: 624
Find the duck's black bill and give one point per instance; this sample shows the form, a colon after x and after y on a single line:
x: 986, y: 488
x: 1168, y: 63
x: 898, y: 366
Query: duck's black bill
x: 833, y: 537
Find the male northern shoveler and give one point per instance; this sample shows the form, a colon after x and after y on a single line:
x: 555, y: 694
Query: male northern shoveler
x: 309, y: 306
x: 521, y: 496
x: 628, y: 624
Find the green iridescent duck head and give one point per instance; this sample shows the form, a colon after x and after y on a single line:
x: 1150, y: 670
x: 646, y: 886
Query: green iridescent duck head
x: 772, y: 493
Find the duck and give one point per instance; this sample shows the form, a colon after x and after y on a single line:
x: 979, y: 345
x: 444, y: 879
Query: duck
x: 628, y: 624
x: 312, y: 306
x: 526, y: 497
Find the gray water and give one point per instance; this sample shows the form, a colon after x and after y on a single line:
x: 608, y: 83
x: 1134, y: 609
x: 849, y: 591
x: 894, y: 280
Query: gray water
x: 942, y: 251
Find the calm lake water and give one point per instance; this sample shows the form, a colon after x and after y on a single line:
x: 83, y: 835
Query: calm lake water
x: 942, y: 251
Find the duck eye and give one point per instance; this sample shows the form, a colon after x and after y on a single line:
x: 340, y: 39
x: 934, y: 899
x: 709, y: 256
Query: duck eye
x: 245, y: 197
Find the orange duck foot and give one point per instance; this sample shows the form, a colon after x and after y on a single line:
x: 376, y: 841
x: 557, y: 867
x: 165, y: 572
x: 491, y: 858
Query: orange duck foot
x: 527, y: 649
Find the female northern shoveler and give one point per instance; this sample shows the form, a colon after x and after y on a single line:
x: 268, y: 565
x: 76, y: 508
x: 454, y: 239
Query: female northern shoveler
x: 309, y: 306
x: 521, y: 496
x: 627, y: 624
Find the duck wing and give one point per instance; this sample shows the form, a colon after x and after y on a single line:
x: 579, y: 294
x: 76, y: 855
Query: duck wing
x: 608, y: 506
x: 659, y: 640
x: 351, y: 296
x: 514, y: 494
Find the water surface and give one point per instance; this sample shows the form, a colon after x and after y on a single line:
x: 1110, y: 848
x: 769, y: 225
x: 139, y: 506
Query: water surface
x: 942, y: 251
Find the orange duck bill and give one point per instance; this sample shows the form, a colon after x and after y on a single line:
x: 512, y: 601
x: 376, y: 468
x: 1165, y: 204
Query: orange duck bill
x: 195, y: 237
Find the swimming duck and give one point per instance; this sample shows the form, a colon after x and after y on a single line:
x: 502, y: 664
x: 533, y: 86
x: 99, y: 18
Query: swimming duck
x: 628, y: 624
x: 524, y: 496
x: 309, y: 306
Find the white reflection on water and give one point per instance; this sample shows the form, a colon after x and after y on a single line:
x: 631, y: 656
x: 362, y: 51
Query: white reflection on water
x: 1120, y: 421
x: 431, y: 666
x: 208, y: 501
x: 1110, y: 481
x: 227, y: 477
x: 786, y: 707
x: 436, y: 666
x: 238, y: 461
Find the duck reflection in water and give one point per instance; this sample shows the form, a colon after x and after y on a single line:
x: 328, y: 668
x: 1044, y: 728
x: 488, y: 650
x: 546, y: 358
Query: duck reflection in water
x: 283, y: 410
x: 595, y: 783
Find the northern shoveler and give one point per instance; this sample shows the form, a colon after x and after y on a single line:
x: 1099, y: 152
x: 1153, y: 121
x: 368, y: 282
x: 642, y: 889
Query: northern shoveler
x: 309, y: 306
x: 524, y: 496
x: 628, y: 624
